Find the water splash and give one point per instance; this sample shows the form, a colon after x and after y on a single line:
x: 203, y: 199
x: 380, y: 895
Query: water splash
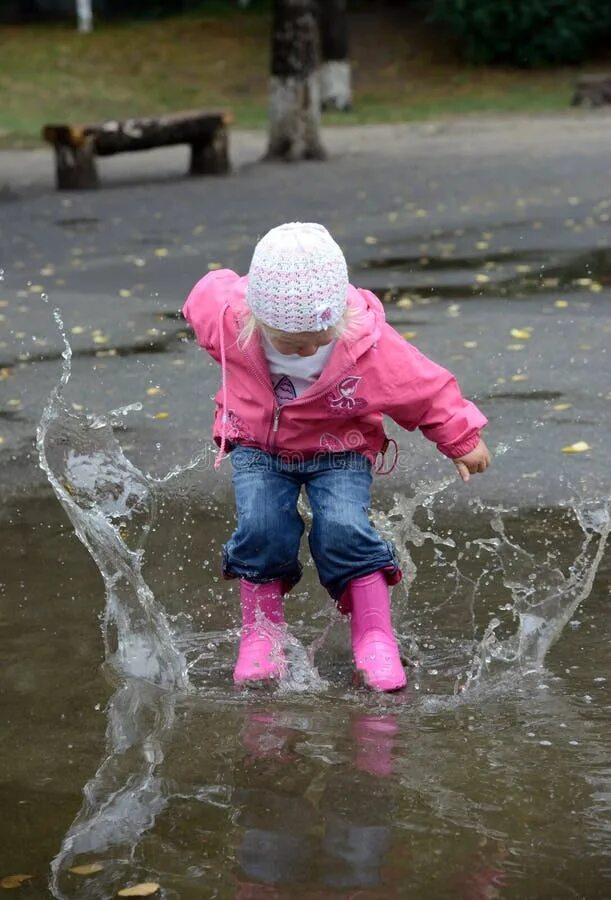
x: 111, y: 505
x: 541, y: 596
x: 544, y: 599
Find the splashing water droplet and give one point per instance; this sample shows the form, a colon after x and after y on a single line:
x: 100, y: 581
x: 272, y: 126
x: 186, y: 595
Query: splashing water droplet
x: 111, y: 505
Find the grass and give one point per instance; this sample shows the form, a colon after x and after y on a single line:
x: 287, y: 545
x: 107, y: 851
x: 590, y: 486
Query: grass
x: 403, y: 70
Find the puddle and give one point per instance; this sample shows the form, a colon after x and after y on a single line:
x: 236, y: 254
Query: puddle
x: 211, y: 791
x: 137, y: 753
x: 508, y: 274
x: 541, y: 396
x: 80, y: 225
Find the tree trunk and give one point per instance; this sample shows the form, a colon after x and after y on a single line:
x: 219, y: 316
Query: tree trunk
x: 294, y: 100
x: 84, y: 15
x: 335, y: 76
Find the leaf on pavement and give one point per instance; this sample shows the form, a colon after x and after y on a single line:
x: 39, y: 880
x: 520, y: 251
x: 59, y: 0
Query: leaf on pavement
x: 578, y: 447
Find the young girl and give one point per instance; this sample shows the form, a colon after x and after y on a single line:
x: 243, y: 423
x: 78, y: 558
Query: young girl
x: 309, y: 367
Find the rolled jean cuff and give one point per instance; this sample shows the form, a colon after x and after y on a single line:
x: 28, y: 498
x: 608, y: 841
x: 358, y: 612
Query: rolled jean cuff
x: 389, y: 566
x: 289, y: 576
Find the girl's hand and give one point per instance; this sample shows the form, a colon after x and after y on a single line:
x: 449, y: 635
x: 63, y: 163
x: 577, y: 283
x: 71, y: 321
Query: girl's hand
x: 477, y: 460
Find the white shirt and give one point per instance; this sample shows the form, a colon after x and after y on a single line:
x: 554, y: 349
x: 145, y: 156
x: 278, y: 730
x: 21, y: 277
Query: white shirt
x: 293, y: 374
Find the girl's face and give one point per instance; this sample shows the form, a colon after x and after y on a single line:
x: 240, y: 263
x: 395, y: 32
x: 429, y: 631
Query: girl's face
x: 305, y: 343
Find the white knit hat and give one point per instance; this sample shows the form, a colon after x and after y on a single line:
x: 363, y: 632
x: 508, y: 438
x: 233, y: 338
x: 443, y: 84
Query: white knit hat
x: 298, y: 279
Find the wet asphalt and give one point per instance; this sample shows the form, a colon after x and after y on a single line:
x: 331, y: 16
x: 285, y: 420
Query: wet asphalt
x: 488, y: 241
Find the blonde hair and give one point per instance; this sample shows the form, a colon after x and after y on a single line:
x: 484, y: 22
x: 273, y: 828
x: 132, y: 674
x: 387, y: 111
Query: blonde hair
x: 347, y: 327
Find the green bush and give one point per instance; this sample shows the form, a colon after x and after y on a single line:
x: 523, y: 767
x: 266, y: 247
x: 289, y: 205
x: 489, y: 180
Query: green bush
x: 526, y: 32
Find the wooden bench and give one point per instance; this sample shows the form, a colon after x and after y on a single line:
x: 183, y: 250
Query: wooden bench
x: 592, y: 90
x: 76, y: 146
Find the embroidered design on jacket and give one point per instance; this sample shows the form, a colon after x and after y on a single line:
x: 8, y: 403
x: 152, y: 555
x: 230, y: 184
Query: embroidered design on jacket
x: 284, y: 389
x: 237, y: 427
x: 346, y: 403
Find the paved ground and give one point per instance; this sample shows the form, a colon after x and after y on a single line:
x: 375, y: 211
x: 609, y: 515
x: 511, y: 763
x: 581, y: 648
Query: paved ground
x: 470, y: 229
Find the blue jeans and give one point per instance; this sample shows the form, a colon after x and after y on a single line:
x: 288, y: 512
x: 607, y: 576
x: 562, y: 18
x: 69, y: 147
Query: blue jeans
x: 343, y: 542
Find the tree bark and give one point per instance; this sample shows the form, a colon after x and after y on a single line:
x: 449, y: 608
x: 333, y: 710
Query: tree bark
x: 294, y: 99
x: 592, y: 90
x: 84, y: 15
x: 335, y: 74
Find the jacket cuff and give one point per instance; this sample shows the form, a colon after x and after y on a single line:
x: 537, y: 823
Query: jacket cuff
x: 454, y: 451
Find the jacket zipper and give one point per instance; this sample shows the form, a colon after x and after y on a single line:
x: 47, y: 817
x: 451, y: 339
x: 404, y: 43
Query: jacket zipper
x: 276, y: 409
x: 275, y: 424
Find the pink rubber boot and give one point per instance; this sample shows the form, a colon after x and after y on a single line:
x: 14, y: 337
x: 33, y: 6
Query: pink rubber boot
x: 374, y: 646
x: 260, y: 656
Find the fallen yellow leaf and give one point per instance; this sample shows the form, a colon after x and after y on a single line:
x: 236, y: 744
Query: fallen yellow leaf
x: 482, y: 279
x: 470, y: 344
x: 561, y: 304
x: 161, y: 251
x: 161, y: 415
x: 86, y: 869
x: 14, y: 881
x: 522, y: 334
x: 405, y: 302
x: 371, y: 240
x: 100, y: 339
x: 578, y: 447
x: 145, y: 889
x: 78, y: 329
x: 124, y: 292
x: 409, y: 335
x: 560, y: 407
x: 212, y: 266
x: 596, y: 287
x: 154, y: 391
x: 519, y: 377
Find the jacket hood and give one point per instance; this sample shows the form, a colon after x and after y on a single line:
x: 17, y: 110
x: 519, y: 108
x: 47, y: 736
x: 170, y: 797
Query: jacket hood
x: 369, y: 321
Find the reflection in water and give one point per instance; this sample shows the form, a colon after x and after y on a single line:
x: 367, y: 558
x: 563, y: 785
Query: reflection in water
x: 316, y: 796
x: 126, y: 794
x: 303, y: 824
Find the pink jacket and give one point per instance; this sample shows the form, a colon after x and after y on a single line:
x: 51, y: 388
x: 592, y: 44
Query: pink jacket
x: 372, y: 373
